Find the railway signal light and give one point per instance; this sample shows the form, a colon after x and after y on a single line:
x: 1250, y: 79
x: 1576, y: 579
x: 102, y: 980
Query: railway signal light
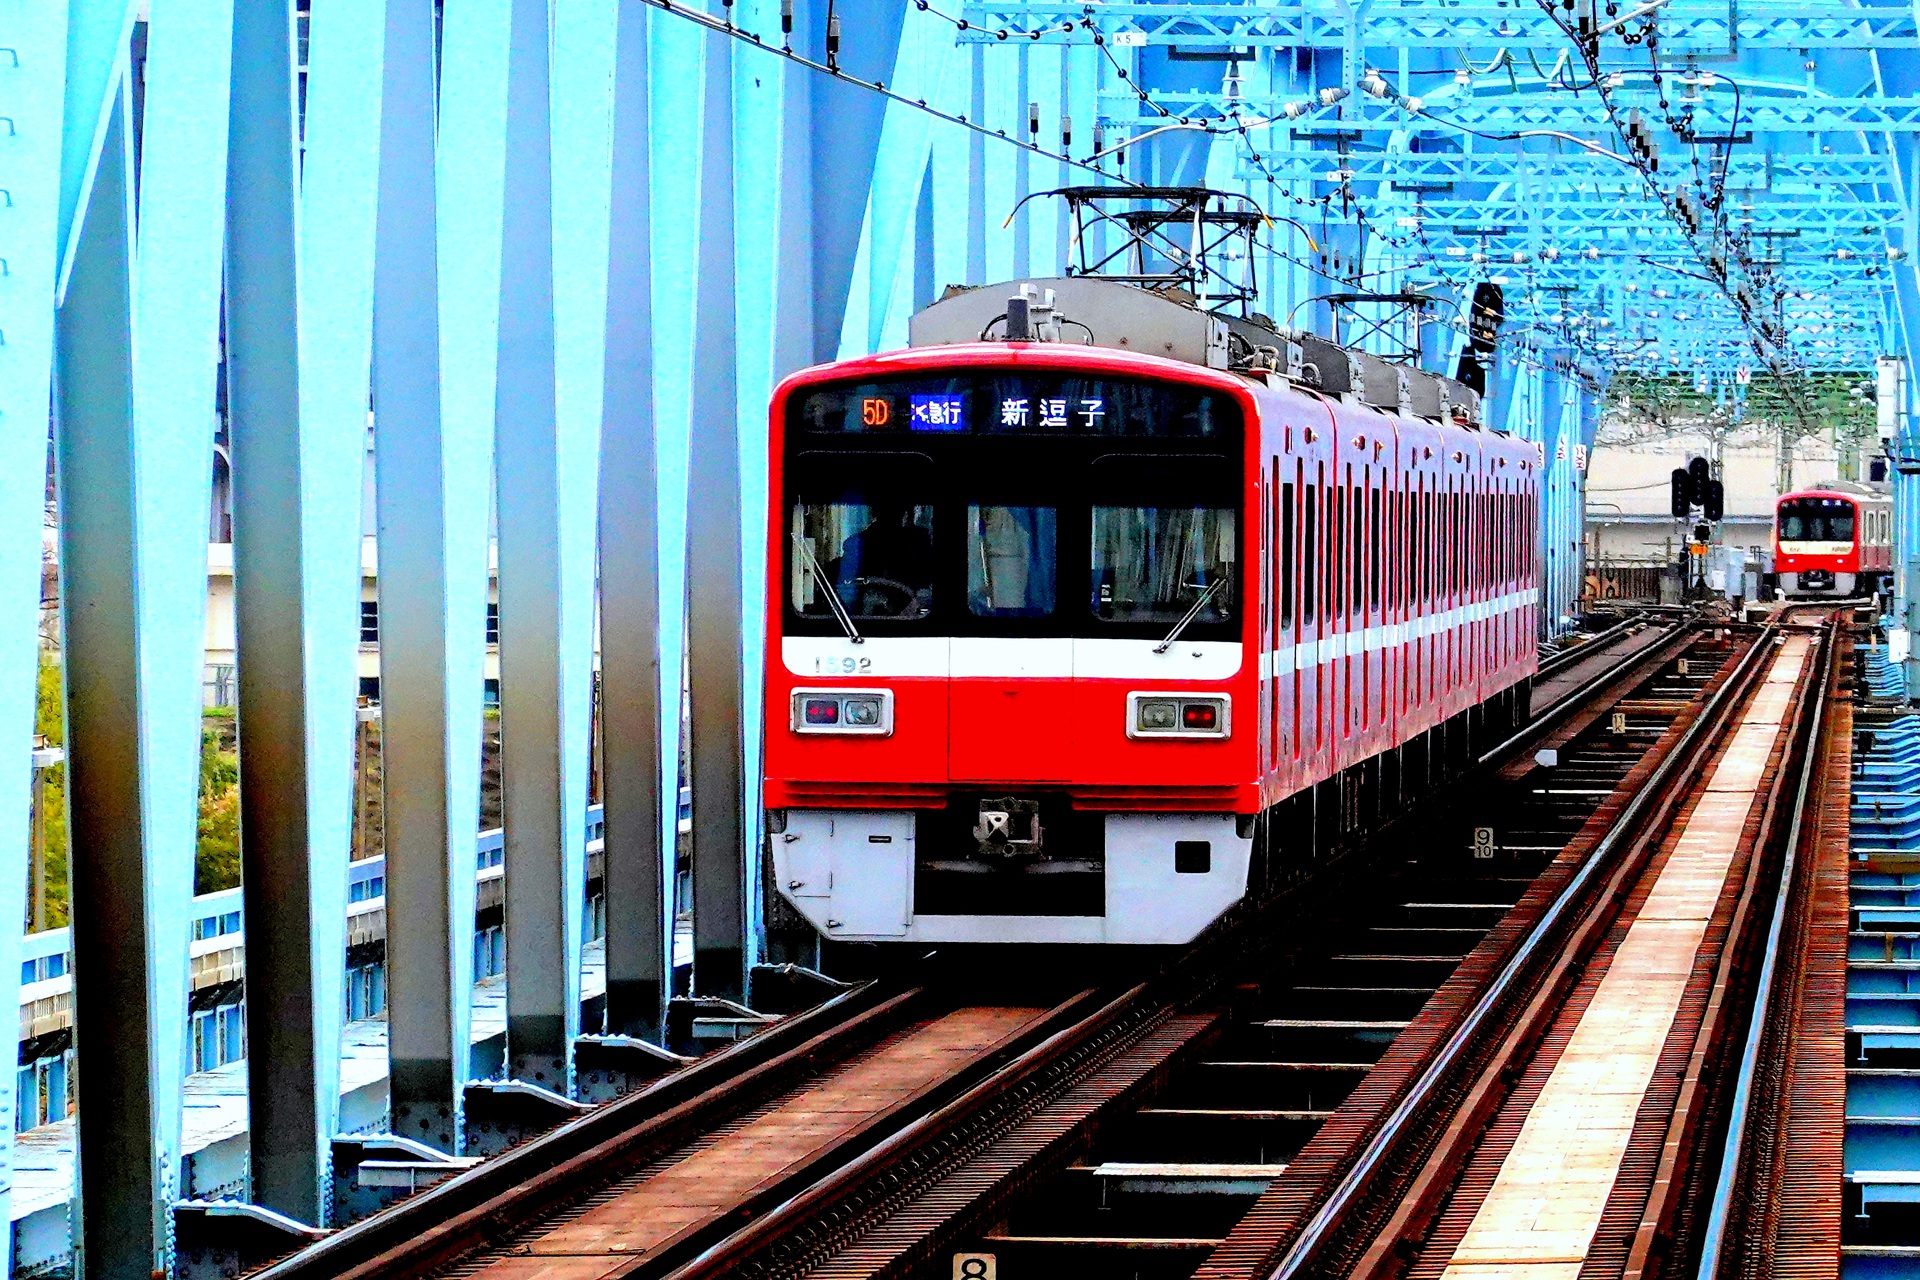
x: 1682, y: 494
x: 1700, y: 475
x: 1716, y: 501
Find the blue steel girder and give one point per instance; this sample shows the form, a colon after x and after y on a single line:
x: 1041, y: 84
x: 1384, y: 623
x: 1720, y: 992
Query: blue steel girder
x: 1747, y: 170
x: 1513, y: 213
x: 1510, y: 113
x: 1686, y: 26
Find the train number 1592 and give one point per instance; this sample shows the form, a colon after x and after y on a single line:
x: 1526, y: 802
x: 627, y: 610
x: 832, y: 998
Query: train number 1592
x: 842, y: 666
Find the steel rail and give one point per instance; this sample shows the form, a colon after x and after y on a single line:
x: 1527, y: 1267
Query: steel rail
x: 1577, y: 698
x: 1135, y: 1010
x: 672, y: 1102
x: 1592, y: 644
x: 481, y: 1233
x: 1140, y: 1007
x: 1689, y: 1109
x: 1740, y: 1114
x: 1688, y: 753
x: 470, y: 1210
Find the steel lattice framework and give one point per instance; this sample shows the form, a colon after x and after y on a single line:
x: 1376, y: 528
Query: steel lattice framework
x: 1474, y: 146
x: 594, y: 235
x: 1686, y: 27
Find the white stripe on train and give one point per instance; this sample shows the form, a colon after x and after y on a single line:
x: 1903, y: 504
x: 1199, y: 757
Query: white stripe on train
x: 1310, y: 653
x: 1059, y: 658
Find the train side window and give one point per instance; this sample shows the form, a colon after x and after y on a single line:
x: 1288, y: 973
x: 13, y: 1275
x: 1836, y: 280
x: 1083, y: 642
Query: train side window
x: 1410, y: 506
x: 1489, y: 559
x: 1449, y: 541
x: 1483, y: 518
x: 1428, y: 593
x: 1506, y: 537
x: 1356, y: 549
x: 1337, y: 555
x: 1393, y: 540
x: 1469, y: 544
x: 1357, y: 561
x: 1456, y: 537
x: 1430, y: 540
x: 1423, y: 512
x: 1486, y: 540
x: 1309, y: 562
x: 1464, y: 541
x: 1374, y: 544
x: 1286, y: 556
x: 1470, y: 518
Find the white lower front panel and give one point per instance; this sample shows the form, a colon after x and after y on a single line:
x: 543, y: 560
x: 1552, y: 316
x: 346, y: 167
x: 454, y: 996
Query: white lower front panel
x: 1168, y: 876
x: 1842, y: 586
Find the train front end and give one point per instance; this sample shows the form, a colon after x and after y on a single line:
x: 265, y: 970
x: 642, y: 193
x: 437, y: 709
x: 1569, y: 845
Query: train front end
x: 1817, y: 544
x: 1007, y: 646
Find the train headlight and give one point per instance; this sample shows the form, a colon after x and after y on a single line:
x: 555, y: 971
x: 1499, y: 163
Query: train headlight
x: 867, y: 712
x: 1178, y: 715
x: 1157, y: 716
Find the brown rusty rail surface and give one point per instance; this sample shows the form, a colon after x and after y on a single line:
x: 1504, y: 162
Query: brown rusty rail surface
x: 1380, y: 1224
x: 1385, y: 1166
x: 900, y: 1210
x: 1777, y: 1207
x: 561, y: 1169
x: 893, y: 1121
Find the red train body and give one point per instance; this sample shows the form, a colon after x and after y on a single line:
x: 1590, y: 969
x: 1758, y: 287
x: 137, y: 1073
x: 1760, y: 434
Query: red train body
x: 1832, y: 543
x: 1116, y: 616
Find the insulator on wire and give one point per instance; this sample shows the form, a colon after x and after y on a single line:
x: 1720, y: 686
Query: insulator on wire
x: 1066, y: 132
x: 786, y: 17
x: 833, y: 42
x: 1033, y: 119
x: 1099, y: 138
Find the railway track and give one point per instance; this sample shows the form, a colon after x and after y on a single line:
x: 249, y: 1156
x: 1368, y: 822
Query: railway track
x: 1296, y: 1102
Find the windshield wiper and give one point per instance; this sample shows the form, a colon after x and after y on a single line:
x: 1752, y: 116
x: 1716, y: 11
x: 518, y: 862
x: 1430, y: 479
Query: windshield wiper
x: 819, y: 576
x: 1191, y: 614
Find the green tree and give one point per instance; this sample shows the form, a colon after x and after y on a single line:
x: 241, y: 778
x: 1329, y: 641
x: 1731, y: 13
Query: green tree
x: 217, y: 859
x: 49, y: 721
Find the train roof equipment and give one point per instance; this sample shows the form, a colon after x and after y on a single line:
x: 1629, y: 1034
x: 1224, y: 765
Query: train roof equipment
x: 1155, y: 295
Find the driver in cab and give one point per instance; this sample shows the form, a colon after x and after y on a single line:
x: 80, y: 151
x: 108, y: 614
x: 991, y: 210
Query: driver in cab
x: 886, y: 569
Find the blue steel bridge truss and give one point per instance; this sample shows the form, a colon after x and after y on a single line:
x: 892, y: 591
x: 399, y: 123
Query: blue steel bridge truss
x: 564, y: 250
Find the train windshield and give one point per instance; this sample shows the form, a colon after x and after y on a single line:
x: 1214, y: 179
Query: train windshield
x: 878, y: 559
x: 1011, y: 561
x: 1154, y: 564
x: 1816, y: 520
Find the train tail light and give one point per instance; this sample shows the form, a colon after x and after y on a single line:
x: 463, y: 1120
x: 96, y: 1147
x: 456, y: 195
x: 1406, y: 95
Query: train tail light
x: 1178, y: 715
x: 867, y: 712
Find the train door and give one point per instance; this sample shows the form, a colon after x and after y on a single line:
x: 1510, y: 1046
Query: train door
x: 1351, y: 654
x: 1320, y: 557
x: 1300, y: 632
x: 1269, y: 598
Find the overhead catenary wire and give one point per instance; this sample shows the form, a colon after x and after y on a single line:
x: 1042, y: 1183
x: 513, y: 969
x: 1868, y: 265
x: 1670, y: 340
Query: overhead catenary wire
x: 725, y: 26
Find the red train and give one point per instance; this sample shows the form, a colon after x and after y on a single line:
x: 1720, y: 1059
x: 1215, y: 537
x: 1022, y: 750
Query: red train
x: 1835, y: 542
x: 1074, y: 643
